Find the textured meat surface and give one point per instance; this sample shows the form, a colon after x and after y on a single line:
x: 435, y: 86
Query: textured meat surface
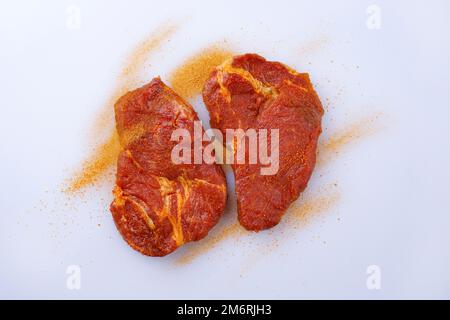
x: 159, y: 205
x: 249, y: 92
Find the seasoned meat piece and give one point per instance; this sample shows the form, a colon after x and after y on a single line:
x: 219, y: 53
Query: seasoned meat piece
x: 249, y: 92
x: 159, y: 205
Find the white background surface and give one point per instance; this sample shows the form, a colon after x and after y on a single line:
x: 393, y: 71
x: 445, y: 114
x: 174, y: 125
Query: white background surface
x: 394, y: 208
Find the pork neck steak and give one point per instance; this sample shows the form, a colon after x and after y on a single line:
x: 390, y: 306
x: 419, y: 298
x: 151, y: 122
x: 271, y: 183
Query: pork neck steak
x: 249, y: 92
x: 159, y: 205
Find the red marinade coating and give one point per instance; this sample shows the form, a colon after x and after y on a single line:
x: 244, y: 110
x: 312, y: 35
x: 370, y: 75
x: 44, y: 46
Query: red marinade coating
x: 159, y: 205
x: 248, y: 91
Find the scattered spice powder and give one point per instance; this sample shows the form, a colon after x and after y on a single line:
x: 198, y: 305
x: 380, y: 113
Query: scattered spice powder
x: 308, y: 208
x: 328, y: 149
x: 129, y: 77
x: 208, y: 243
x: 301, y: 213
x: 188, y: 79
x: 139, y: 55
x: 314, y: 45
x: 105, y: 155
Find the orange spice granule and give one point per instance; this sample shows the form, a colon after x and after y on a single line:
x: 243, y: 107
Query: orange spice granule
x: 105, y: 155
x: 314, y: 44
x: 188, y: 79
x: 198, y: 248
x: 139, y: 55
x: 93, y: 168
x: 300, y: 213
x: 305, y: 209
x: 328, y: 149
x: 129, y: 76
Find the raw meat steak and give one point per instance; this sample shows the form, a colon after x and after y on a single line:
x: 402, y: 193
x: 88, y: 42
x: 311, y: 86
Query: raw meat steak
x: 249, y: 92
x: 160, y: 205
